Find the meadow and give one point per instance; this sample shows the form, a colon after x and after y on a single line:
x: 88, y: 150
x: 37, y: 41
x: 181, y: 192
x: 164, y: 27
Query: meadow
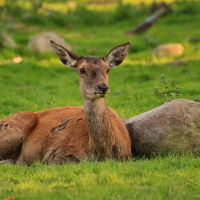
x: 40, y: 82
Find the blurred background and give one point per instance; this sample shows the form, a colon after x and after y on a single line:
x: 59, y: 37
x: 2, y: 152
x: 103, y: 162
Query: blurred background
x: 165, y: 38
x: 30, y: 17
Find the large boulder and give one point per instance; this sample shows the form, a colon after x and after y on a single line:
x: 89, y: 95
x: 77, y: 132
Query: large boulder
x: 171, y: 49
x: 171, y: 127
x: 41, y: 43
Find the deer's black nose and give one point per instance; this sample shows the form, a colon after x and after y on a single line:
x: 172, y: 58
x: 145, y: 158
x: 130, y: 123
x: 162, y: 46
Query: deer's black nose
x: 103, y: 88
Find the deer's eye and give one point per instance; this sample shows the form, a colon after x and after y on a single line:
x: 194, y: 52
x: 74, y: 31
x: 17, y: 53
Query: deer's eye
x: 108, y: 70
x: 82, y: 71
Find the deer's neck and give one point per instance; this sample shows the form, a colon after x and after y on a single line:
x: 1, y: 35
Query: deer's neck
x: 102, y: 137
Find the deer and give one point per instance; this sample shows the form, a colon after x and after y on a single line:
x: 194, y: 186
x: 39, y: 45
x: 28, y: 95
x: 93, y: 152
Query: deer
x: 71, y: 133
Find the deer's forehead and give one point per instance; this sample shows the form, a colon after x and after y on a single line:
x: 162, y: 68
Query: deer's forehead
x: 93, y: 63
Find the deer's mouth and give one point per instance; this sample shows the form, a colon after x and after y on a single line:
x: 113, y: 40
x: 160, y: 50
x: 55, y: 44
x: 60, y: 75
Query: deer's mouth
x: 100, y: 94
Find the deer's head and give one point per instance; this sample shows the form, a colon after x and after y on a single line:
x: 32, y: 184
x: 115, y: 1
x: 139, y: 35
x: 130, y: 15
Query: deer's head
x: 92, y: 71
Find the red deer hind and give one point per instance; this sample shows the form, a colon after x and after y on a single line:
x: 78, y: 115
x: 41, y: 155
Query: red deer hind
x: 71, y: 133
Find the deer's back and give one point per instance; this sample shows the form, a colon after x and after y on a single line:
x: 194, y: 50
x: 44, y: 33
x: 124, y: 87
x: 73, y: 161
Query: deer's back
x: 59, y: 132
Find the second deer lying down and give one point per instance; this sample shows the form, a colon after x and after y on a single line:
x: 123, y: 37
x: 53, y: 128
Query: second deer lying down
x: 71, y: 133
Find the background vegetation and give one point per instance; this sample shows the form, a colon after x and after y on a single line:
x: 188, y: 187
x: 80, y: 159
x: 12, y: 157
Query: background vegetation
x: 40, y: 82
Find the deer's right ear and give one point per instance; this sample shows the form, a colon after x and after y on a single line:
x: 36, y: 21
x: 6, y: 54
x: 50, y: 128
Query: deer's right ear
x: 67, y: 57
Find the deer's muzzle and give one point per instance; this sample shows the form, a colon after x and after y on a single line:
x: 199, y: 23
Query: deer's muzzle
x: 103, y: 88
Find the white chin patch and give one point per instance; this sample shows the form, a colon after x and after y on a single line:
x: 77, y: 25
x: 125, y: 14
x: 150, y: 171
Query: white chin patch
x: 97, y: 95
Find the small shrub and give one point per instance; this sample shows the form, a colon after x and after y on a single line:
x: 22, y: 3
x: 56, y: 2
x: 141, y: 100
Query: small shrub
x: 197, y: 99
x: 165, y: 91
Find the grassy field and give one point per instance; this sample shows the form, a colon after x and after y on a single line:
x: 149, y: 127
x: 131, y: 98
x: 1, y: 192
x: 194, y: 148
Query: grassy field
x: 171, y: 177
x: 40, y: 82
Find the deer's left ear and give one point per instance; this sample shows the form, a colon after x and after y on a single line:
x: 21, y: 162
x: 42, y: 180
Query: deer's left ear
x: 117, y: 54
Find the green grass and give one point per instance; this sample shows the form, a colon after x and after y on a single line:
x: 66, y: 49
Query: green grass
x: 41, y: 82
x: 169, y: 177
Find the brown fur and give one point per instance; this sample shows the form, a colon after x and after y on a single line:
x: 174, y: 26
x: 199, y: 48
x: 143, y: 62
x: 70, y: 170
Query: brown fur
x: 71, y: 133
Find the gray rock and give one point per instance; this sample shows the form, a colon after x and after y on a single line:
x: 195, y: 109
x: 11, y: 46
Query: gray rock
x: 171, y: 127
x: 194, y: 39
x: 165, y: 50
x: 7, y: 41
x: 177, y: 63
x: 41, y: 43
